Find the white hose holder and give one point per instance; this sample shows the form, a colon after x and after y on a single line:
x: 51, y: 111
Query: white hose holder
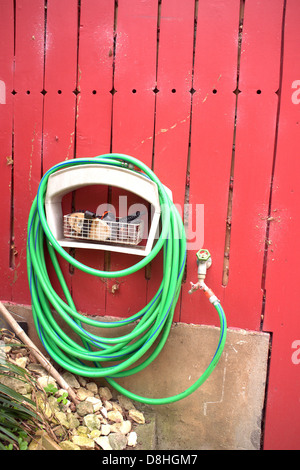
x: 71, y: 178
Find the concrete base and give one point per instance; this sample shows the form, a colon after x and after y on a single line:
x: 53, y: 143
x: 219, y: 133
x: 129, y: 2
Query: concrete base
x: 225, y: 412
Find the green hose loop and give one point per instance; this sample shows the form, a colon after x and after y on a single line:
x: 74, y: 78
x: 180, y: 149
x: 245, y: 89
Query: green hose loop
x: 119, y: 356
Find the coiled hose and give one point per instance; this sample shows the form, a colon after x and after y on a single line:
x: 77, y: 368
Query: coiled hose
x: 99, y: 356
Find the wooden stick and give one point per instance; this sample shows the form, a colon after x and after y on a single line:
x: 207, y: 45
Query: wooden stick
x: 37, y: 353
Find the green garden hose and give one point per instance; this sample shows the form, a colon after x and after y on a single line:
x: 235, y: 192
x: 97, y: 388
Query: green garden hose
x: 99, y: 356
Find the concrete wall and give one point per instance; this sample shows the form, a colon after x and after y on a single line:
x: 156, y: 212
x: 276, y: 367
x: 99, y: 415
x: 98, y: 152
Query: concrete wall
x: 225, y: 412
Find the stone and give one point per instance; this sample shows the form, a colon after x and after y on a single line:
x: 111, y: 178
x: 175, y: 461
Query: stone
x: 94, y: 434
x: 43, y: 404
x: 48, y: 443
x: 115, y: 416
x: 82, y: 381
x: 104, y: 412
x: 36, y: 444
x: 60, y: 432
x: 84, y: 442
x: 96, y: 402
x: 46, y: 380
x: 83, y: 408
x: 116, y: 406
x: 22, y: 361
x: 108, y: 406
x: 92, y: 387
x: 37, y: 369
x: 105, y: 393
x: 132, y: 439
x: 92, y: 421
x: 61, y: 391
x: 52, y: 401
x: 103, y: 442
x: 73, y: 421
x: 117, y: 441
x: 124, y: 427
x: 71, y: 379
x: 105, y: 429
x: 81, y: 431
x: 125, y: 403
x: 69, y: 445
x: 83, y: 393
x: 4, y: 349
x: 137, y: 416
x: 62, y: 419
x: 18, y: 385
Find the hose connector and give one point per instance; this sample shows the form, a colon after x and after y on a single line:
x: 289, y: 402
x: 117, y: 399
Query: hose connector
x: 207, y: 291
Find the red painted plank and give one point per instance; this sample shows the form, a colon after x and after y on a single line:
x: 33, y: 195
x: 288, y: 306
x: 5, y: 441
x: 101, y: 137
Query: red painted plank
x: 60, y: 104
x: 134, y: 79
x: 28, y: 83
x: 282, y: 425
x: 261, y: 36
x: 133, y: 124
x: 94, y: 107
x: 95, y: 74
x: 254, y: 147
x: 281, y: 313
x: 173, y: 106
x: 253, y: 166
x: 60, y: 82
x: 211, y: 146
x: 174, y: 81
x: 6, y: 121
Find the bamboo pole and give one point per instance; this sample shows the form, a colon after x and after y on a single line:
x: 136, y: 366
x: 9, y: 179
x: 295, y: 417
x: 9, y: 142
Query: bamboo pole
x: 37, y: 353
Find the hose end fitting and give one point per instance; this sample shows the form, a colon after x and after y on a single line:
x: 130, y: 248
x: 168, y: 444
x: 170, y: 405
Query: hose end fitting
x: 207, y: 291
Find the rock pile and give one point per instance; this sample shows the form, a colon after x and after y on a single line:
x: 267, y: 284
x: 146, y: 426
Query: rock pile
x: 97, y: 422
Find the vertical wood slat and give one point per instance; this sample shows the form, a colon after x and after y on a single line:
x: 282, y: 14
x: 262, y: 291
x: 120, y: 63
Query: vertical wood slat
x: 213, y: 114
x: 28, y: 103
x: 95, y: 78
x: 95, y: 74
x: 254, y: 148
x: 6, y: 151
x: 60, y: 75
x: 60, y: 82
x: 133, y: 126
x: 174, y: 82
x: 135, y: 78
x: 282, y: 274
x: 173, y: 107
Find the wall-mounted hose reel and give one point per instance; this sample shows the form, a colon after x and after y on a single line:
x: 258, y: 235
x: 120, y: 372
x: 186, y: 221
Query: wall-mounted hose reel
x: 99, y: 355
x: 85, y: 229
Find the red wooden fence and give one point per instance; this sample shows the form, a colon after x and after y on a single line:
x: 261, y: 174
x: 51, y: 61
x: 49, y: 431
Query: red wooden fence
x: 203, y: 91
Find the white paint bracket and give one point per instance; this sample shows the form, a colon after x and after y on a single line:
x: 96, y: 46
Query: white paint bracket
x: 71, y: 178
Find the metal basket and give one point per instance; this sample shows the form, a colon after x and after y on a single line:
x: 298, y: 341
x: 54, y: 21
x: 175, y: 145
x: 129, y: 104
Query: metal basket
x: 95, y: 229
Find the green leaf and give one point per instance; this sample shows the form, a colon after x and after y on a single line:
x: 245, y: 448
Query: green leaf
x: 9, y: 421
x: 50, y: 388
x: 22, y: 444
x: 7, y: 367
x: 13, y: 394
x: 8, y: 435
